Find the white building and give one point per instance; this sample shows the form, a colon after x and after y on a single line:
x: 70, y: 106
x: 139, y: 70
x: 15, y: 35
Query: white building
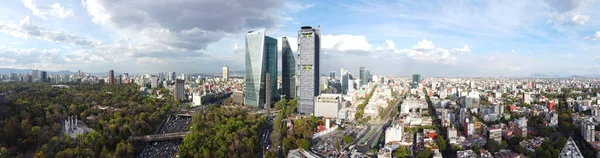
x: 394, y: 133
x: 225, y: 73
x: 588, y: 130
x: 197, y: 98
x: 328, y: 105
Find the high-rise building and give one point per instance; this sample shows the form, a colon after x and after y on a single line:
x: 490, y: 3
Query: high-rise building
x: 288, y: 70
x: 225, y: 73
x: 344, y: 77
x: 179, y: 89
x: 34, y: 75
x: 588, y: 130
x: 154, y: 82
x: 332, y: 74
x: 309, y: 49
x: 172, y: 76
x: 416, y: 80
x: 261, y: 58
x: 43, y: 76
x: 111, y: 77
x: 364, y: 76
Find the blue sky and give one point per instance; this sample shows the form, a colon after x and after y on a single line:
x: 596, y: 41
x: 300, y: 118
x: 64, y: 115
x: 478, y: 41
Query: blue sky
x: 433, y: 38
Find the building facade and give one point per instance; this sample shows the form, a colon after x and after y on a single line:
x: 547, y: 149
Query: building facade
x: 344, y: 76
x: 288, y: 70
x: 179, y: 91
x: 309, y: 47
x: 588, y: 130
x: 261, y: 59
x: 416, y: 80
x: 328, y: 105
x: 364, y: 76
x: 111, y: 77
x: 225, y: 73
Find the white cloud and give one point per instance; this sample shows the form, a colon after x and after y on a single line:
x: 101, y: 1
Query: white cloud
x: 578, y: 19
x: 595, y: 36
x: 27, y: 28
x: 390, y: 44
x: 423, y: 45
x: 463, y: 50
x: 345, y: 43
x: 43, y: 11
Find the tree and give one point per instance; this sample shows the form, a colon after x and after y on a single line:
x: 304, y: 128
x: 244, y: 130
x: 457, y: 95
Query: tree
x: 475, y: 149
x: 456, y: 148
x: 504, y: 145
x: 270, y: 154
x: 441, y: 143
x: 424, y: 153
x: 3, y: 152
x: 492, y: 146
x: 303, y: 143
x: 400, y: 152
x: 348, y: 139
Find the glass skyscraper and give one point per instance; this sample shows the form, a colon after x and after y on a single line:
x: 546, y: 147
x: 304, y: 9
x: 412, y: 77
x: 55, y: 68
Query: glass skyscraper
x: 344, y: 76
x: 309, y: 47
x: 364, y: 76
x: 288, y: 64
x: 261, y: 58
x: 416, y: 79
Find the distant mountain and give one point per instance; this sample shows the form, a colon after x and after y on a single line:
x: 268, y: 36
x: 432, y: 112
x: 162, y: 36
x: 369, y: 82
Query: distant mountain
x: 24, y: 71
x: 536, y: 75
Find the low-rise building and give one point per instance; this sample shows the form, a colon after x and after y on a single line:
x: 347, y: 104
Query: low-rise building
x: 328, y: 105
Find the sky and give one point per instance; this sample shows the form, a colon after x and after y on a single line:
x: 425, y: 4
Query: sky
x: 453, y: 38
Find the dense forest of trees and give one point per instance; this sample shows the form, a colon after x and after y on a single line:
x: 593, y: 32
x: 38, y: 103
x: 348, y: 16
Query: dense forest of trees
x: 31, y: 121
x: 223, y: 132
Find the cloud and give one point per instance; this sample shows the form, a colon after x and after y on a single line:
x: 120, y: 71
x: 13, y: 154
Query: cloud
x: 463, y: 50
x: 562, y: 6
x: 594, y: 37
x: 27, y: 28
x: 295, y: 6
x: 43, y: 11
x: 390, y: 44
x: 423, y: 45
x: 186, y: 24
x: 345, y: 43
x: 578, y: 19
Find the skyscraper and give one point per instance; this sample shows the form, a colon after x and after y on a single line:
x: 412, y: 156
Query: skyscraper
x: 172, y: 76
x: 44, y: 76
x: 111, y: 77
x: 416, y: 80
x: 288, y: 70
x: 225, y: 73
x: 34, y: 75
x: 364, y: 76
x: 179, y: 89
x: 261, y: 58
x: 332, y: 74
x: 344, y: 77
x: 309, y: 48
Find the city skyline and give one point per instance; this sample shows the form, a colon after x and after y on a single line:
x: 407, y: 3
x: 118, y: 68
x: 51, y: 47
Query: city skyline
x: 464, y: 39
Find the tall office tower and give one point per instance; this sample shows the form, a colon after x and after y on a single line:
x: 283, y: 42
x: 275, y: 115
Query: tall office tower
x: 344, y: 77
x: 309, y: 49
x: 179, y: 89
x: 78, y: 74
x: 288, y: 70
x: 416, y: 80
x: 125, y: 75
x: 364, y: 76
x: 111, y: 77
x: 261, y: 58
x: 225, y: 73
x: 172, y: 76
x: 120, y: 79
x: 43, y: 76
x: 34, y: 75
x: 332, y: 74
